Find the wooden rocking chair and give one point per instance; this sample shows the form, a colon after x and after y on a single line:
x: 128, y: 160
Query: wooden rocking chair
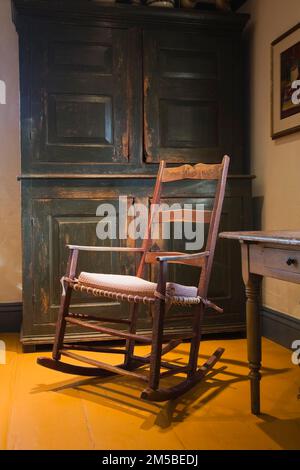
x: 136, y: 290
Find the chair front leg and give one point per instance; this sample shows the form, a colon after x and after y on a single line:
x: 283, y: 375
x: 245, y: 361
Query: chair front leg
x: 195, y: 342
x: 130, y: 343
x: 64, y: 305
x: 158, y: 327
x: 61, y: 323
x: 157, y: 342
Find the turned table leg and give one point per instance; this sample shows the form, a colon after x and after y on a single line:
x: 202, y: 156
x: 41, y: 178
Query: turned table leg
x: 253, y: 291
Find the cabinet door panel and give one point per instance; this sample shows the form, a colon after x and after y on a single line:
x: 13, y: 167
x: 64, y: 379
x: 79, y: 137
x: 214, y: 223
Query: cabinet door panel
x: 188, y: 97
x: 79, y: 97
x: 57, y: 222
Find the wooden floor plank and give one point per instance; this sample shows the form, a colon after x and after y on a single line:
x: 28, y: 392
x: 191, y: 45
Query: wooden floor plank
x: 42, y: 417
x: 7, y: 381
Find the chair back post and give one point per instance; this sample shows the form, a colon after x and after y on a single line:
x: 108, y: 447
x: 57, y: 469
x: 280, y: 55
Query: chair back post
x: 147, y: 242
x: 213, y: 228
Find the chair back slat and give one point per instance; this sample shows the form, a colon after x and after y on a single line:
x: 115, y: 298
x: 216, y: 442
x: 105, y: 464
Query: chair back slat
x: 201, y: 171
x: 186, y: 215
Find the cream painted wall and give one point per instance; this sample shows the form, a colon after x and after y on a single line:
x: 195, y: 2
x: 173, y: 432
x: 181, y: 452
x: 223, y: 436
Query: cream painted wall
x: 10, y: 230
x: 276, y: 164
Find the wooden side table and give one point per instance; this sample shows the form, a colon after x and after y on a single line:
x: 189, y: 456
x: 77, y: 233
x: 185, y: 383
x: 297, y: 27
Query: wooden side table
x: 270, y: 254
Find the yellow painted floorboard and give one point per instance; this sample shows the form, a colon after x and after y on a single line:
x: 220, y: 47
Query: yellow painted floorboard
x: 44, y: 409
x: 7, y: 380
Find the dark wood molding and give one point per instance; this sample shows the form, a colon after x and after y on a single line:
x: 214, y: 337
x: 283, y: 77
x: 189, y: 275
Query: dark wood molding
x: 285, y: 35
x: 10, y: 317
x: 94, y: 12
x: 104, y: 176
x: 279, y: 327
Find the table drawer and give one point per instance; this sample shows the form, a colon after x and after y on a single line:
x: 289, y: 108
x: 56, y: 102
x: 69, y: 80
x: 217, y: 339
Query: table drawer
x: 283, y: 260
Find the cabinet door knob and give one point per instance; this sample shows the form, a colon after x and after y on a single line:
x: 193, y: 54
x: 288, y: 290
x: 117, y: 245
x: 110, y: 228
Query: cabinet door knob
x: 291, y: 261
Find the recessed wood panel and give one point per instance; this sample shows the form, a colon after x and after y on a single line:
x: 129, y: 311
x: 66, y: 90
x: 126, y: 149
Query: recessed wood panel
x: 82, y: 57
x: 188, y: 64
x: 188, y: 124
x: 79, y: 119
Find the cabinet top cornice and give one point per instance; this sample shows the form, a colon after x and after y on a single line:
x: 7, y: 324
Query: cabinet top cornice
x: 96, y: 12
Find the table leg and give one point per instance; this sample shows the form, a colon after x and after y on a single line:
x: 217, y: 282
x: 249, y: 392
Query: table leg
x: 253, y: 291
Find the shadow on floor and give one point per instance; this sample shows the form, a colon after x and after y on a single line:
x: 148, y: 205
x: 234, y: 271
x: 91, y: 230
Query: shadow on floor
x: 286, y: 432
x: 123, y: 395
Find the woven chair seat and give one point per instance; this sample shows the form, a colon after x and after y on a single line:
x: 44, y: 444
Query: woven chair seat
x: 134, y: 287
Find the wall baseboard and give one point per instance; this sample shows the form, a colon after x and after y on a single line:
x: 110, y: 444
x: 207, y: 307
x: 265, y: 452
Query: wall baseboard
x: 279, y: 327
x: 10, y: 317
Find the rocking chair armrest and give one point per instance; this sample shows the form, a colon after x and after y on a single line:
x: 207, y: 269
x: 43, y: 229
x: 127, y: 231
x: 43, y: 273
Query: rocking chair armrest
x: 203, y: 254
x: 105, y: 248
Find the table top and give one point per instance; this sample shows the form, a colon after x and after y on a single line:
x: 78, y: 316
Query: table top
x: 283, y: 237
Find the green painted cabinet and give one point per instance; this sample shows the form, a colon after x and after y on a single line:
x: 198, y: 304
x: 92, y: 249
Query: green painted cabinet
x: 107, y: 92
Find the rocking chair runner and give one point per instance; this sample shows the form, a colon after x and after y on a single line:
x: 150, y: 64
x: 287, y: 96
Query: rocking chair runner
x: 160, y: 295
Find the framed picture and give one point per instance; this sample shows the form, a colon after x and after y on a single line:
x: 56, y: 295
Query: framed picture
x: 285, y: 97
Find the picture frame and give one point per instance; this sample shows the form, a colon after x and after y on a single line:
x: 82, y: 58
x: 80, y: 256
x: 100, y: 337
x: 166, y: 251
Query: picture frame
x: 285, y: 73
